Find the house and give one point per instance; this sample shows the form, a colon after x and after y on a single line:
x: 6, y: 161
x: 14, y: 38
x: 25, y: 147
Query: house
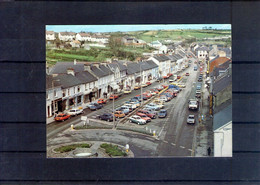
x: 202, y: 53
x: 104, y: 39
x: 83, y: 37
x: 53, y: 96
x: 89, y: 82
x: 222, y: 128
x: 180, y: 62
x: 163, y: 49
x: 61, y: 67
x: 119, y: 71
x: 129, y: 40
x: 50, y: 35
x: 75, y: 44
x: 174, y: 66
x: 67, y: 36
x: 216, y: 62
x: 133, y: 74
x: 164, y: 64
x: 149, y: 69
x: 155, y: 44
x: 72, y: 90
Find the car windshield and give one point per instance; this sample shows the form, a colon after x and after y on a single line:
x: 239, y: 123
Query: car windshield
x: 193, y: 103
x: 191, y: 117
x: 162, y: 111
x: 72, y: 110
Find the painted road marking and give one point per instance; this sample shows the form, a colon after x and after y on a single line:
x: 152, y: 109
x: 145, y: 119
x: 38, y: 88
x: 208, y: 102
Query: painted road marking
x: 190, y: 150
x: 182, y: 146
x: 173, y: 144
x: 165, y: 141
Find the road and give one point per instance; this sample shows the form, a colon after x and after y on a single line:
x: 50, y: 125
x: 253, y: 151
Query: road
x: 174, y: 136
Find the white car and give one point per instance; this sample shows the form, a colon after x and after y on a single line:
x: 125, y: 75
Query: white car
x: 137, y: 119
x: 75, y: 112
x: 132, y: 106
x: 153, y: 106
x: 191, y: 119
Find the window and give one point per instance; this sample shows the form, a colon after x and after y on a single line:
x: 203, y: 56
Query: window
x: 55, y: 93
x: 63, y: 93
x: 74, y: 90
x: 47, y: 96
x: 68, y: 92
x: 78, y: 88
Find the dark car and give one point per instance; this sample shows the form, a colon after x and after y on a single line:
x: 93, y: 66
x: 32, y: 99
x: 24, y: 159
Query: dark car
x: 162, y: 113
x: 95, y: 106
x: 106, y: 117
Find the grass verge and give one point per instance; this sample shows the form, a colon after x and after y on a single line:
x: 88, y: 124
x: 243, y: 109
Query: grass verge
x: 112, y: 150
x: 69, y: 148
x: 92, y: 127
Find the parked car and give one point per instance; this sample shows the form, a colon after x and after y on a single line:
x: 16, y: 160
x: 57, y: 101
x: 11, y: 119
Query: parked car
x: 164, y: 98
x: 119, y: 114
x: 113, y: 96
x: 124, y: 109
x: 165, y: 86
x: 106, y: 117
x: 147, y: 113
x: 95, y: 106
x: 144, y: 117
x: 127, y: 91
x: 62, y: 117
x: 181, y: 85
x: 162, y: 113
x: 75, y: 112
x: 137, y: 87
x: 152, y: 106
x: 148, y: 83
x: 132, y: 106
x: 159, y: 79
x: 198, y: 87
x: 144, y: 85
x: 148, y: 94
x: 191, y: 119
x: 102, y: 101
x: 137, y: 119
x: 178, y: 77
x: 198, y: 94
x: 136, y: 103
x: 159, y: 88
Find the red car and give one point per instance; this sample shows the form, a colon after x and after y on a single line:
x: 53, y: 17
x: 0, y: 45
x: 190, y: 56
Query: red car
x: 164, y: 86
x: 62, y: 117
x: 165, y: 77
x: 147, y: 113
x: 187, y: 74
x: 148, y: 83
x: 169, y: 74
x: 144, y: 117
x: 101, y: 101
x: 149, y: 95
x: 113, y: 96
x: 178, y: 77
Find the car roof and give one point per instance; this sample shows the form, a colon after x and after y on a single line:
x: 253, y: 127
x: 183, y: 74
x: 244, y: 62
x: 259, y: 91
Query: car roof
x: 191, y: 116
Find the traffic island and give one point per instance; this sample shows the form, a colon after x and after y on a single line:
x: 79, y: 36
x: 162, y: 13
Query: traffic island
x: 95, y: 149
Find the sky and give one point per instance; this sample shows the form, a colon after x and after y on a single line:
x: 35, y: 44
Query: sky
x: 125, y: 28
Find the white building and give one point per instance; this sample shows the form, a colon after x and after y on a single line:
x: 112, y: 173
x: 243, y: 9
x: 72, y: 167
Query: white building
x: 202, y: 53
x: 155, y: 44
x: 83, y: 37
x: 164, y: 64
x: 222, y: 126
x: 67, y: 36
x: 50, y: 35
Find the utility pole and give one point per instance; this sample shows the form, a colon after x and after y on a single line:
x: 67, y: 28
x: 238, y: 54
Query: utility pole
x: 114, y: 126
x: 141, y: 80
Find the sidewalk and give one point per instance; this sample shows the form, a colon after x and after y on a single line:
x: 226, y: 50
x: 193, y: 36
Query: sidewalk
x: 204, y: 138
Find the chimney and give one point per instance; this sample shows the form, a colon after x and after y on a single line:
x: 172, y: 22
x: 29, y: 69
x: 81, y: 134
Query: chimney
x: 71, y: 71
x: 75, y: 62
x: 87, y: 67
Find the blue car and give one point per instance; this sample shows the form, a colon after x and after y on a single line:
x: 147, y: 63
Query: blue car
x: 162, y: 113
x: 95, y: 106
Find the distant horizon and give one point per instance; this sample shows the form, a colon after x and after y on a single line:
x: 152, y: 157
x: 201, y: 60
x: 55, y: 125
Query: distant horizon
x: 132, y: 28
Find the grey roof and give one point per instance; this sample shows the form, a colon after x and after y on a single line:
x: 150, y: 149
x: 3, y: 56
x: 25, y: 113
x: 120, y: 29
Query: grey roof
x: 105, y: 70
x: 202, y: 49
x: 227, y: 51
x: 86, y: 77
x: 152, y: 64
x: 222, y: 117
x: 161, y: 58
x: 61, y: 67
x: 172, y: 58
x: 222, y: 83
x: 50, y: 82
x: 67, y: 80
x: 171, y: 47
x: 98, y: 72
x: 117, y: 64
x: 133, y: 68
x: 178, y: 56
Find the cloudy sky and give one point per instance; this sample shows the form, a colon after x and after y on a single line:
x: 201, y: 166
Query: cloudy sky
x: 124, y: 28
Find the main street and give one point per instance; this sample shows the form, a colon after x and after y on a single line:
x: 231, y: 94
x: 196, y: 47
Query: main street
x: 173, y: 136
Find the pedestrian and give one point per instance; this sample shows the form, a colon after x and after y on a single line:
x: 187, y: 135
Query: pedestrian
x: 209, y: 151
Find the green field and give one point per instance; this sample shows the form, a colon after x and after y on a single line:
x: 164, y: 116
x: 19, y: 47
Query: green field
x: 131, y: 53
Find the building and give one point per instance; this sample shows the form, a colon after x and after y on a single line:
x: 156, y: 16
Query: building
x: 67, y: 36
x: 155, y: 44
x: 75, y: 44
x: 222, y: 128
x: 164, y: 64
x: 53, y: 96
x: 50, y: 36
x: 83, y: 37
x: 202, y: 53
